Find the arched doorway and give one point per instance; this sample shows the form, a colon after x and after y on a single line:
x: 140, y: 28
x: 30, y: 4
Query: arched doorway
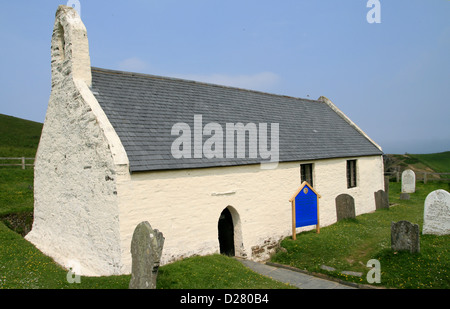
x: 226, y: 233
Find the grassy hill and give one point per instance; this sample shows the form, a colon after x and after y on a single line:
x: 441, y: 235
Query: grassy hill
x: 419, y: 163
x: 439, y: 162
x: 18, y: 137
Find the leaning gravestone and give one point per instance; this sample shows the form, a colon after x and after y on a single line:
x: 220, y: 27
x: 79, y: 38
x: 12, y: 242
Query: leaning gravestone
x: 381, y: 200
x: 405, y: 237
x: 408, y: 181
x: 146, y: 250
x: 345, y: 207
x: 436, y: 218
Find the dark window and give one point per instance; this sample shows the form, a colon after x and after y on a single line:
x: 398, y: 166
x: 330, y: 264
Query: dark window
x: 351, y: 173
x: 306, y: 173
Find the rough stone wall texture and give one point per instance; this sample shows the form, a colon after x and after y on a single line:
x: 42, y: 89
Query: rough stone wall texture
x: 185, y: 205
x: 76, y: 214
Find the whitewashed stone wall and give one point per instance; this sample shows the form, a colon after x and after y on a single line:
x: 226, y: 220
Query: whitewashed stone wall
x: 76, y: 214
x: 185, y: 205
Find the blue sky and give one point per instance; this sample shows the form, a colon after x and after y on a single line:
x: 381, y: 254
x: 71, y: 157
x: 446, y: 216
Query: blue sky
x: 391, y: 78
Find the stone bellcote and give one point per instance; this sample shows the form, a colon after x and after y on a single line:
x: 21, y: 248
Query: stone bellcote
x: 70, y: 48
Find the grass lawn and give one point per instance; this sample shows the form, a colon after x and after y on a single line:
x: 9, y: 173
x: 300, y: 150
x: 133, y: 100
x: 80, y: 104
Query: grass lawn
x: 350, y: 244
x: 213, y: 272
x: 22, y: 266
x: 16, y: 190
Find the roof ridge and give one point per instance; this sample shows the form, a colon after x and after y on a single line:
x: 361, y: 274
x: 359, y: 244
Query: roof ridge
x: 118, y: 72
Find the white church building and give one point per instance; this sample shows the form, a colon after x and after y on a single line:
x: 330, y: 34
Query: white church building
x: 209, y: 166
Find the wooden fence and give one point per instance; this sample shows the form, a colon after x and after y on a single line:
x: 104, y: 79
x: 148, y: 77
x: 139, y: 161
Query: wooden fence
x: 422, y: 176
x: 22, y: 161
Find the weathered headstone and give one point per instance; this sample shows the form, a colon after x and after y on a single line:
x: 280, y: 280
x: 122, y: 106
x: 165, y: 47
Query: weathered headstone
x: 345, y: 207
x: 405, y: 237
x: 404, y: 196
x: 436, y: 218
x: 146, y: 250
x: 408, y: 181
x: 381, y: 200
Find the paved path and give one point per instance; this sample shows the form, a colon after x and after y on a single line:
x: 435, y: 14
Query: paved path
x: 292, y: 277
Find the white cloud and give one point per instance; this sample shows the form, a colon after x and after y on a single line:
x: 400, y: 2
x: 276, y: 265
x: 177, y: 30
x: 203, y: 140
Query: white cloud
x: 133, y: 64
x: 262, y: 81
x: 258, y: 81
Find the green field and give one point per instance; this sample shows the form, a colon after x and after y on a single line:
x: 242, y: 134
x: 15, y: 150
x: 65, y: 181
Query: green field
x: 18, y: 137
x: 346, y: 245
x: 439, y: 162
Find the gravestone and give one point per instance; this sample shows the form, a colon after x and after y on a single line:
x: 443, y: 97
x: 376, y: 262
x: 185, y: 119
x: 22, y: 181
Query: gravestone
x: 405, y: 237
x: 386, y: 184
x: 146, y: 250
x: 381, y: 200
x: 436, y: 218
x: 345, y: 207
x: 404, y: 196
x: 408, y: 181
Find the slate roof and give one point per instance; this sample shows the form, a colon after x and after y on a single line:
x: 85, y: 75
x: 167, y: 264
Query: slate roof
x: 143, y: 108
